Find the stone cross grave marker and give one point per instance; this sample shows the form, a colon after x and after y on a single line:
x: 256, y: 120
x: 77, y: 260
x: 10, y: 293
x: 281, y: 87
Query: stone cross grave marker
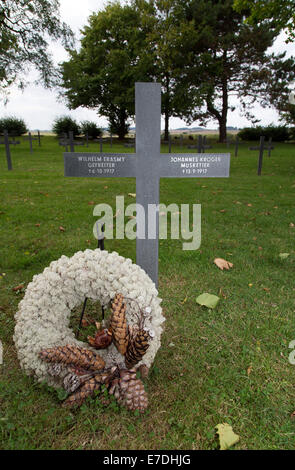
x: 7, y: 144
x: 262, y: 146
x: 30, y: 138
x: 147, y: 165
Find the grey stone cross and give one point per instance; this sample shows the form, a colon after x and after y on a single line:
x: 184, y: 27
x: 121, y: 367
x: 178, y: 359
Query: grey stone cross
x: 147, y: 165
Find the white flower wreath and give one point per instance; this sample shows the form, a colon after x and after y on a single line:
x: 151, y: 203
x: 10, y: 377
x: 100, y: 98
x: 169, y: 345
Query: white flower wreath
x: 42, y: 320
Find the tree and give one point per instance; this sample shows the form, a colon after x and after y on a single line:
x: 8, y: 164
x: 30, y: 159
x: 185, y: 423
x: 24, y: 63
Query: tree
x: 122, y: 45
x: 168, y: 35
x: 101, y: 75
x: 65, y: 124
x: 235, y: 62
x: 24, y: 30
x: 14, y: 125
x: 280, y: 12
x: 90, y: 128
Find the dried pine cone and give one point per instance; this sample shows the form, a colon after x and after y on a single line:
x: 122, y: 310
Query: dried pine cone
x: 55, y: 369
x: 118, y: 324
x: 73, y: 355
x: 87, y: 389
x: 129, y: 391
x: 71, y: 382
x: 137, y: 347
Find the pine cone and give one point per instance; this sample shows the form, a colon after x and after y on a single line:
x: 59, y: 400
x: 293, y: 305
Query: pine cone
x: 55, y: 369
x: 118, y: 324
x: 87, y: 389
x: 136, y: 349
x: 74, y: 356
x: 71, y: 382
x: 129, y: 391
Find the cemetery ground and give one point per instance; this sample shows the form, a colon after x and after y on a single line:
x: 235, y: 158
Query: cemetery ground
x: 226, y: 365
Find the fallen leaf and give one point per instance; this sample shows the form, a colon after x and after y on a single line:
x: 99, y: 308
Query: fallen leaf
x: 222, y: 210
x: 91, y: 203
x: 15, y: 289
x: 249, y: 205
x: 249, y: 370
x: 37, y: 225
x: 284, y: 255
x: 227, y: 437
x: 208, y: 300
x: 266, y: 289
x: 222, y: 263
x: 250, y: 285
x: 62, y: 229
x: 291, y: 225
x: 132, y: 194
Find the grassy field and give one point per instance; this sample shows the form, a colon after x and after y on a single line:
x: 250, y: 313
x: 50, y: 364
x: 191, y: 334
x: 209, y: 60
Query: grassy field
x: 227, y: 365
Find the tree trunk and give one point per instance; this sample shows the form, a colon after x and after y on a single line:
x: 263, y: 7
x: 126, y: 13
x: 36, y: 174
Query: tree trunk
x: 222, y: 129
x: 118, y: 123
x: 166, y: 132
x: 223, y: 116
x: 220, y: 115
x: 167, y: 107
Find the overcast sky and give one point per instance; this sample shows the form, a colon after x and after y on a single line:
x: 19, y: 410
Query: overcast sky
x: 38, y: 107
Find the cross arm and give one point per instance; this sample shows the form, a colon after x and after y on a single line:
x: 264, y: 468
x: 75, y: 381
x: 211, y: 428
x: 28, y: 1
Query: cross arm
x: 100, y: 164
x: 185, y: 165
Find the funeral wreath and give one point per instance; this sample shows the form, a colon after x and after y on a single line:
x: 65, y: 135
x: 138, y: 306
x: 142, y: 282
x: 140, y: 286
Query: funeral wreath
x: 128, y: 340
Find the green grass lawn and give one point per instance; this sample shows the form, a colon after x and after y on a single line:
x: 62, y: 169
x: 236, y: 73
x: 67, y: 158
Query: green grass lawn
x: 227, y: 365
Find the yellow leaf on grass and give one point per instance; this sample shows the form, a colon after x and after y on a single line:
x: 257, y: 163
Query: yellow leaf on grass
x: 132, y: 194
x: 222, y: 263
x: 249, y: 370
x: 227, y: 437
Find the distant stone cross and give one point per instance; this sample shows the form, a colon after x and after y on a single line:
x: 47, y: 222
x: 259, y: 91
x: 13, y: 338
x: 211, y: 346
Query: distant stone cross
x: 147, y: 165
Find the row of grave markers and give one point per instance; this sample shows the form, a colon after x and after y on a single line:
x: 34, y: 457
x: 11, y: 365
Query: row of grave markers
x: 69, y: 142
x: 7, y: 142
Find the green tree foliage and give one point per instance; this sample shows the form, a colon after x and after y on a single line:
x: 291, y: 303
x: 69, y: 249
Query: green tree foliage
x: 25, y: 27
x: 14, y: 125
x: 65, y: 124
x: 102, y: 73
x: 277, y: 133
x: 280, y: 12
x: 235, y: 63
x: 91, y: 128
x: 169, y: 39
